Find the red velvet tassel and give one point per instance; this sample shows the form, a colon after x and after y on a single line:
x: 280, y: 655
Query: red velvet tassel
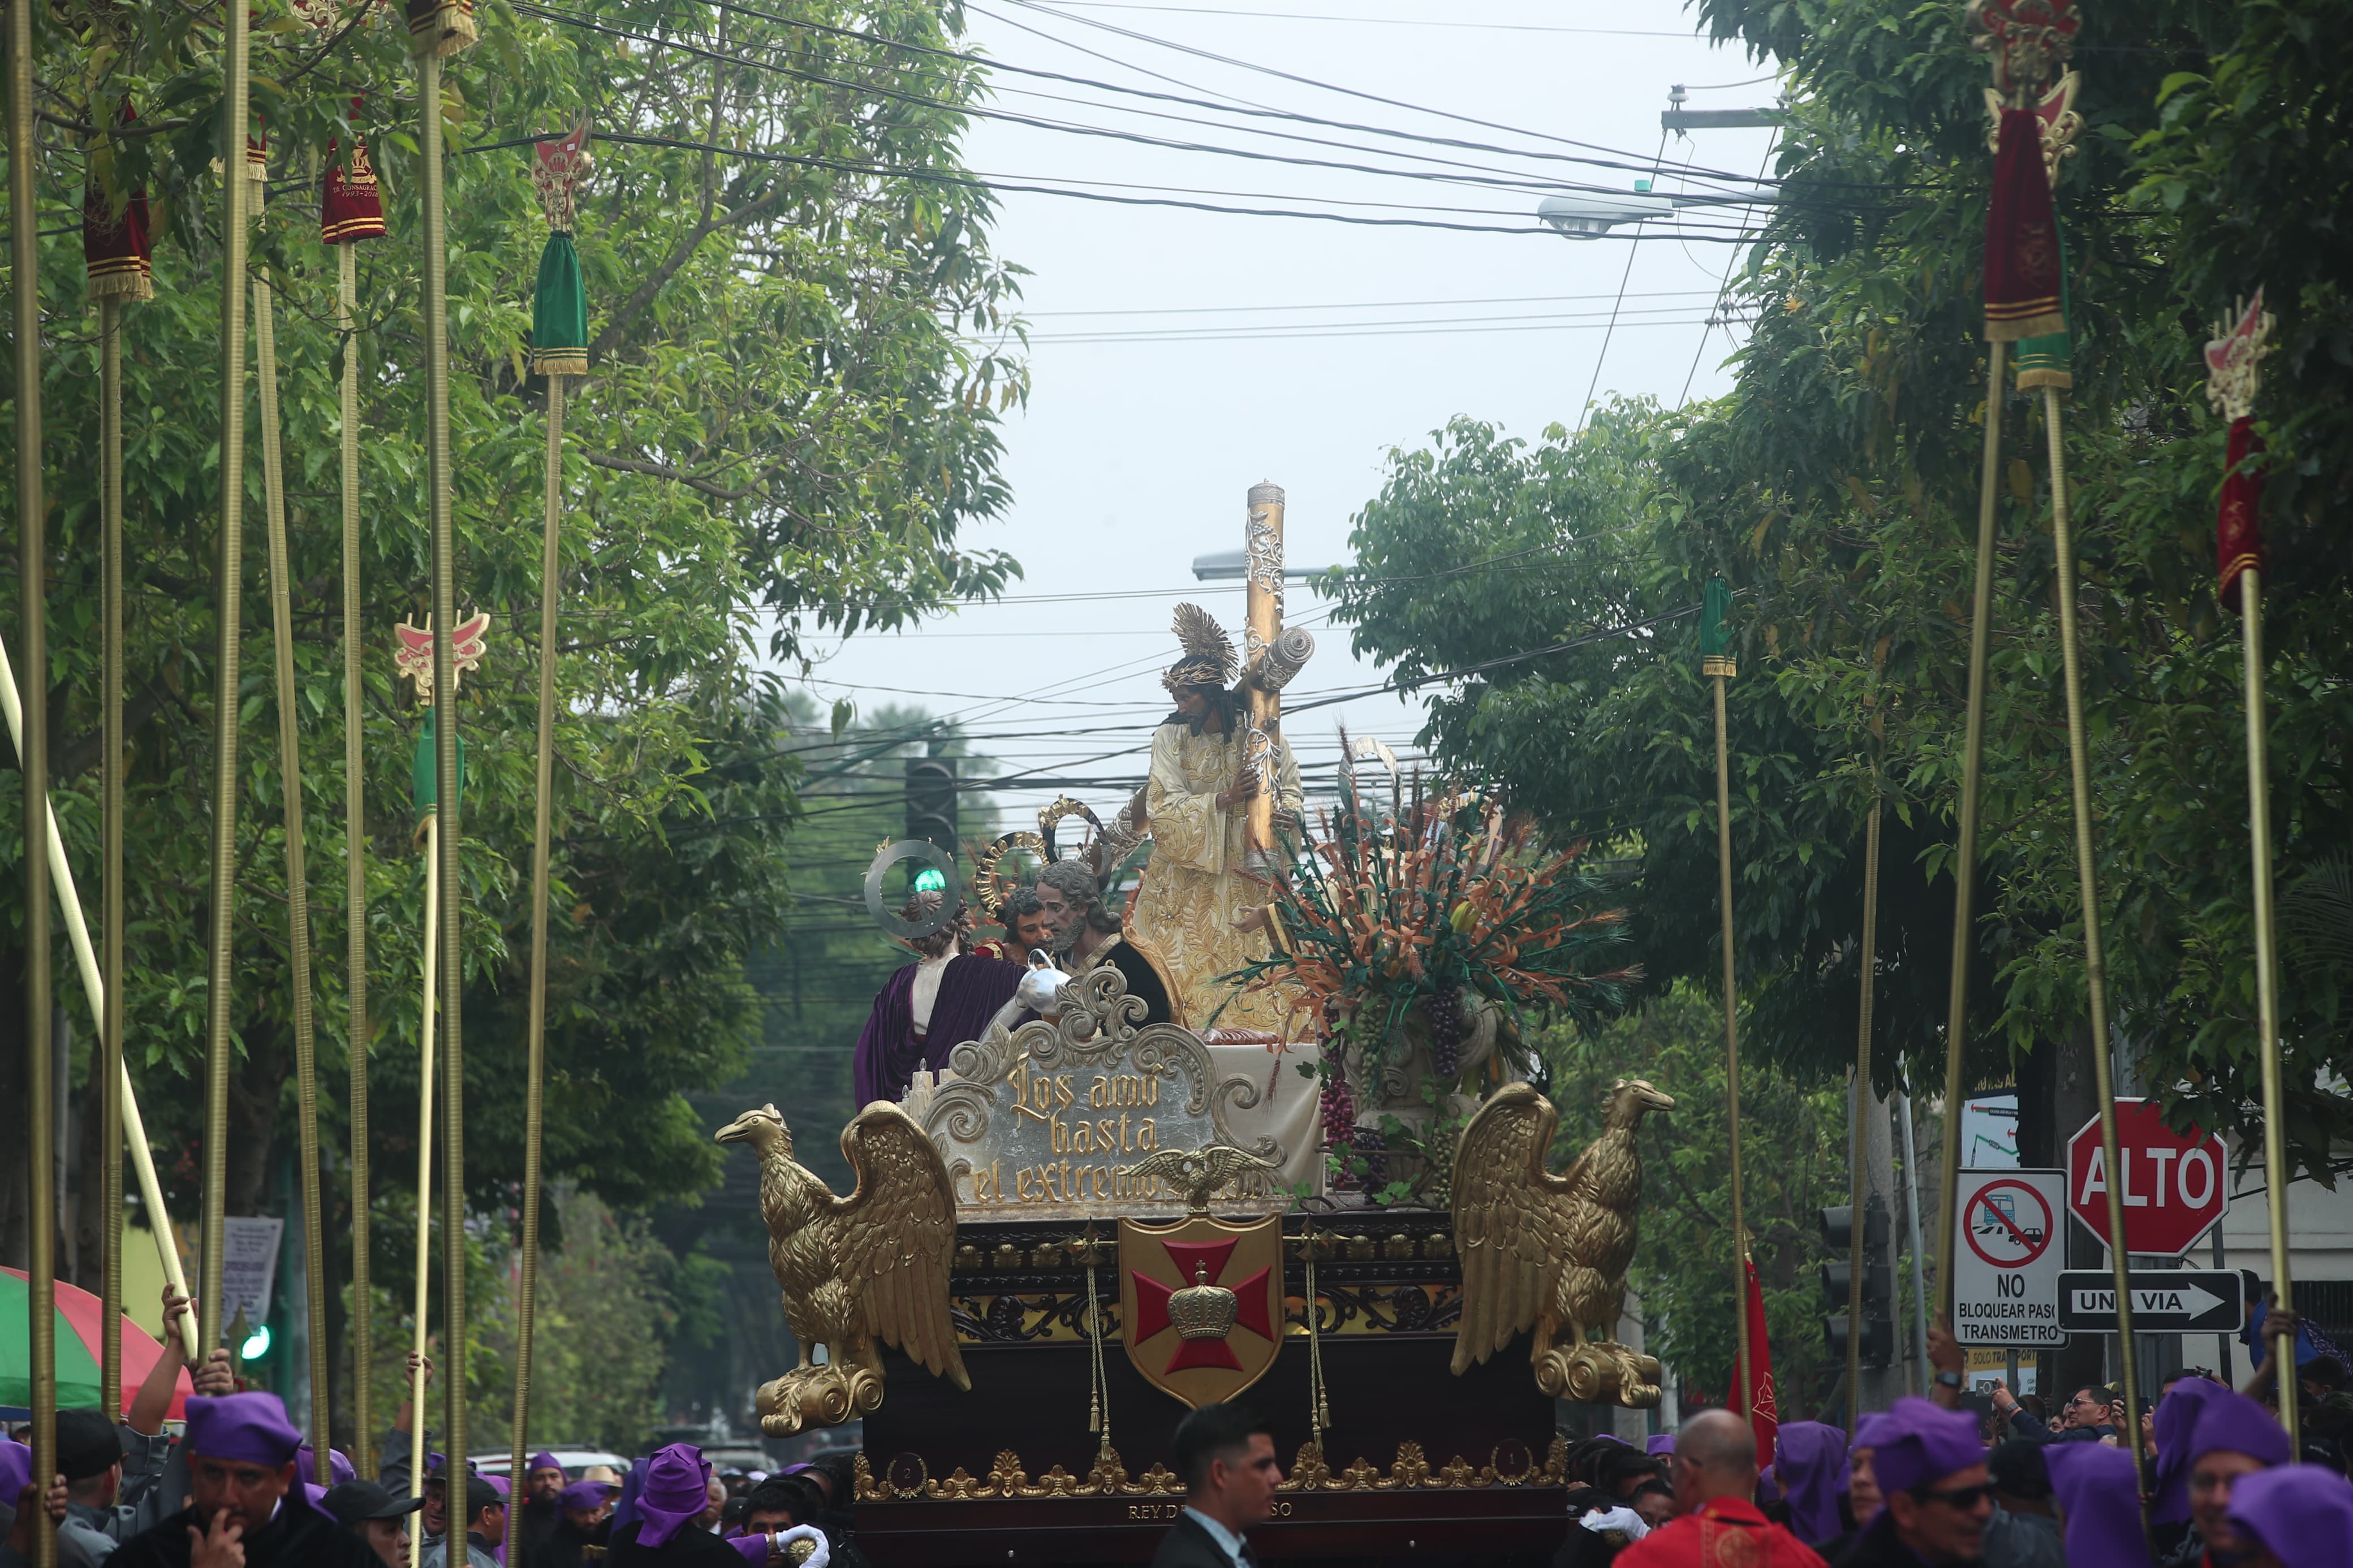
x: 2021, y: 254
x: 351, y: 205
x: 114, y: 248
x: 2238, y: 528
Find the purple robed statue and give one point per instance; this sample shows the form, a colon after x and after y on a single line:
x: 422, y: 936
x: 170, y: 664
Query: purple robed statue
x: 926, y: 1010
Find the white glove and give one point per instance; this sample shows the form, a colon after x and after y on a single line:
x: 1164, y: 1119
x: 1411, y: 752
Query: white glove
x: 817, y: 1557
x: 1621, y: 1517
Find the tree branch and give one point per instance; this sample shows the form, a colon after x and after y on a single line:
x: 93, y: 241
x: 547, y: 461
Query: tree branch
x: 663, y: 471
x: 617, y: 326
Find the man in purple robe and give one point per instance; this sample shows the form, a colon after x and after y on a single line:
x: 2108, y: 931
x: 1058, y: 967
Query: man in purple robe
x: 930, y: 1007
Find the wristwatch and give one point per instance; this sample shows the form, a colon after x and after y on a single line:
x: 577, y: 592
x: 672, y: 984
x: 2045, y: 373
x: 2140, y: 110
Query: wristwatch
x: 1948, y: 1380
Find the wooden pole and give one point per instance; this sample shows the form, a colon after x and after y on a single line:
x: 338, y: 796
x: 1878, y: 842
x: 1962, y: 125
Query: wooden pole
x: 94, y: 987
x: 298, y: 892
x: 2259, y: 823
x: 2096, y: 969
x: 424, y: 1296
x: 445, y: 694
x: 109, y: 874
x: 1262, y: 601
x: 1965, y: 853
x: 33, y: 758
x: 228, y: 615
x: 551, y: 567
x: 1860, y: 1196
x: 1744, y: 1369
x: 355, y: 871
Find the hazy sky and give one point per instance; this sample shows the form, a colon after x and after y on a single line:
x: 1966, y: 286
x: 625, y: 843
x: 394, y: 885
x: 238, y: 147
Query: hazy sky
x: 1309, y: 348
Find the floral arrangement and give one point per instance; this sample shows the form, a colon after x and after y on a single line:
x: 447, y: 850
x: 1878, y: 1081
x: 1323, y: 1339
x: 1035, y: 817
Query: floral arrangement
x: 1397, y: 929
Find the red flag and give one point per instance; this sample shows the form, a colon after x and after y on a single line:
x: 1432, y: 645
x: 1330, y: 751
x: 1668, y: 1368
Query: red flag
x: 1764, y: 1415
x: 2021, y: 254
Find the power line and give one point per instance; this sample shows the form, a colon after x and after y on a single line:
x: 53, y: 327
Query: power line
x: 575, y: 19
x: 1365, y: 304
x: 1384, y: 22
x: 1237, y: 334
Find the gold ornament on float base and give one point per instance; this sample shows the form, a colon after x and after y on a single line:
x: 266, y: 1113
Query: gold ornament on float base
x: 1550, y: 1252
x: 858, y: 1269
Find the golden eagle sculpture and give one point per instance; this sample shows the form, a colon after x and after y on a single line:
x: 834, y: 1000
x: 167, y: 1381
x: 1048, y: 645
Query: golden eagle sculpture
x: 856, y: 1270
x: 1549, y: 1252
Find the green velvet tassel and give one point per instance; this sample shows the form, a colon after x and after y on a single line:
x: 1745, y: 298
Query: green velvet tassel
x: 559, y: 313
x: 1714, y: 655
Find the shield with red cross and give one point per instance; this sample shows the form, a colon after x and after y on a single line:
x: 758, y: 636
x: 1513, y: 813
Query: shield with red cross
x: 1200, y: 1304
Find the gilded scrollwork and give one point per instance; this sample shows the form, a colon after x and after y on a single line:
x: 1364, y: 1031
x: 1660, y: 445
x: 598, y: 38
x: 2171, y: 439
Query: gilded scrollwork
x: 1512, y: 1465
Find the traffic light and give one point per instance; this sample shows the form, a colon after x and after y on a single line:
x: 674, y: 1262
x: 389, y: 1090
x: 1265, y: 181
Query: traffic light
x: 1878, y: 1282
x: 932, y: 800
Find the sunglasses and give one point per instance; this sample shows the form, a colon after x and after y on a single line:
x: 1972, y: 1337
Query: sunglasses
x: 1963, y: 1497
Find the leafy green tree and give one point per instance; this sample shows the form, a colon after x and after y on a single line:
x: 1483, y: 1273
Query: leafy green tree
x: 791, y: 424
x: 1836, y: 487
x: 1683, y: 1261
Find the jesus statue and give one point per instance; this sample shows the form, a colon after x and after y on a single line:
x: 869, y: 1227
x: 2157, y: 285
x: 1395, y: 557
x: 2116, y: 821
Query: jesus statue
x: 1200, y: 911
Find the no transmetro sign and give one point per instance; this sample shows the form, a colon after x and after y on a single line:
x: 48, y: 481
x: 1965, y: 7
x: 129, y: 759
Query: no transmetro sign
x: 2005, y: 1270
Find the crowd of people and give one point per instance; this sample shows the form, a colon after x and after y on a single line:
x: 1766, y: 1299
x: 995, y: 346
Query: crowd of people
x: 234, y: 1487
x: 1930, y: 1483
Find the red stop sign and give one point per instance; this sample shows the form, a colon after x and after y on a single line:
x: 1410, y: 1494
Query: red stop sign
x: 2175, y: 1188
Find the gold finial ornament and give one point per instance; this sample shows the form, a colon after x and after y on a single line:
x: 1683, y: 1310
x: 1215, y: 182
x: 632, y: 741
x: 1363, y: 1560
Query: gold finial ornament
x: 2028, y: 40
x: 2235, y: 358
x: 1550, y: 1252
x: 412, y: 656
x: 871, y: 1267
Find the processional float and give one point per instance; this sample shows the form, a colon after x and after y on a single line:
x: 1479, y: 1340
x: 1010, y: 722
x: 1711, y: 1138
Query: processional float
x: 1086, y: 1224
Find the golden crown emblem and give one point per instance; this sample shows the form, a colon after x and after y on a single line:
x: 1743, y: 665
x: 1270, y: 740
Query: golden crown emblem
x: 1202, y: 1310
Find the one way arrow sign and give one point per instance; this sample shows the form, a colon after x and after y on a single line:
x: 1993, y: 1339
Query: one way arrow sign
x: 2164, y: 1301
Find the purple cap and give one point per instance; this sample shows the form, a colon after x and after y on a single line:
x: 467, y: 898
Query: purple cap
x: 1873, y: 1428
x: 245, y: 1428
x: 1922, y: 1442
x: 2176, y: 1420
x: 498, y: 1485
x: 2099, y: 1495
x: 582, y: 1495
x: 677, y: 1490
x: 15, y: 1470
x: 339, y: 1465
x: 1810, y: 1462
x: 544, y: 1460
x: 2235, y: 1424
x: 1660, y: 1443
x: 2303, y: 1513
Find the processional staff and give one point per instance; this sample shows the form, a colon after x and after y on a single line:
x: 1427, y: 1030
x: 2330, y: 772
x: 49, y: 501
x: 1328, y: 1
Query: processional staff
x: 351, y: 208
x: 116, y: 262
x: 2025, y: 284
x: 33, y: 757
x: 228, y: 615
x: 1717, y: 664
x: 298, y: 892
x: 2233, y: 377
x: 559, y: 348
x: 438, y: 28
x: 414, y: 658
